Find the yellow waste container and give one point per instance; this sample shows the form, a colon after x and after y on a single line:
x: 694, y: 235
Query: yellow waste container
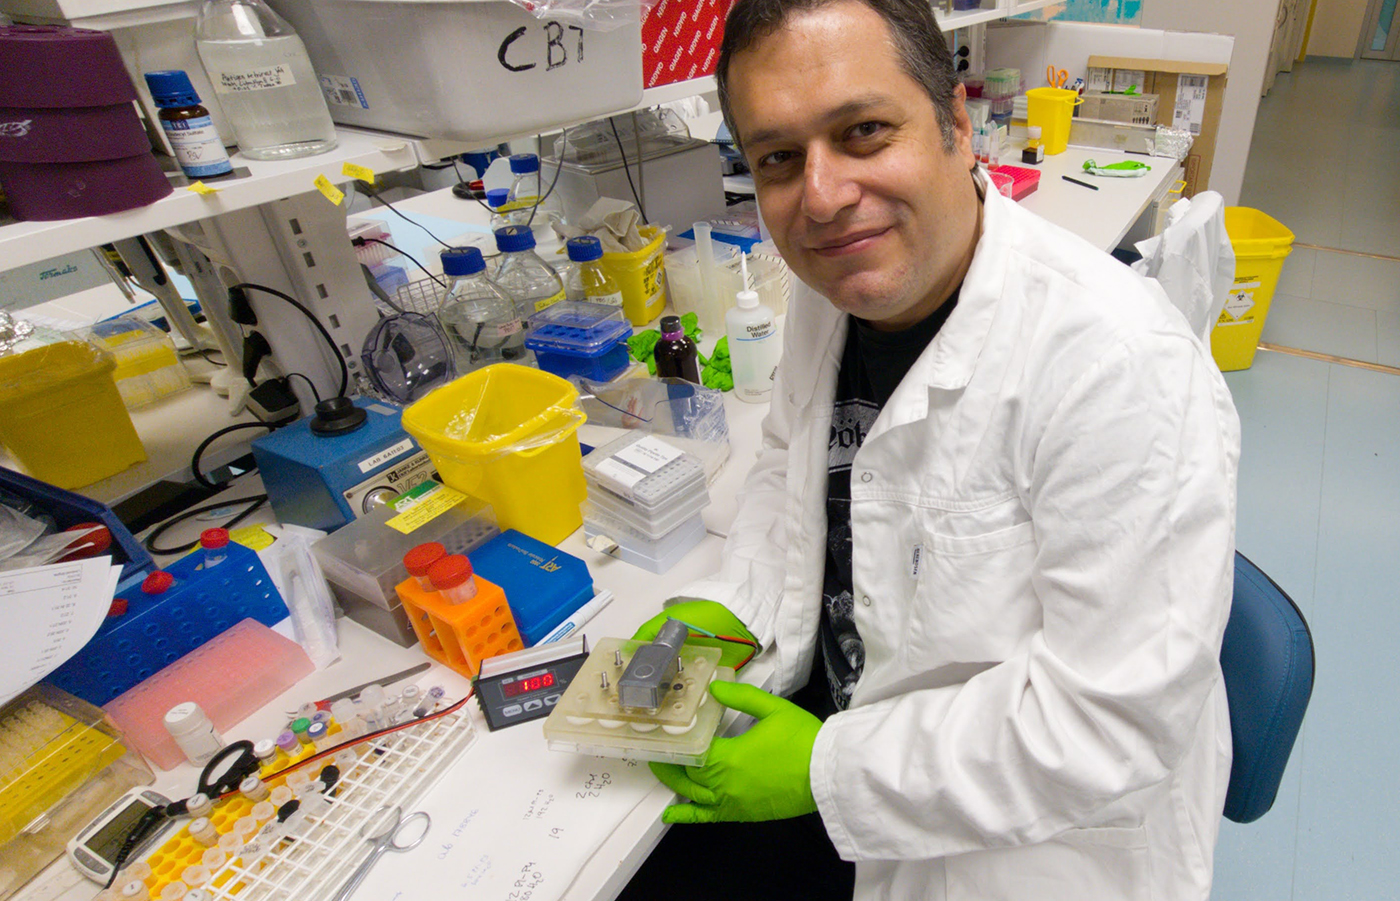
x: 1052, y: 109
x: 508, y: 435
x: 62, y: 417
x: 641, y: 276
x: 1261, y: 244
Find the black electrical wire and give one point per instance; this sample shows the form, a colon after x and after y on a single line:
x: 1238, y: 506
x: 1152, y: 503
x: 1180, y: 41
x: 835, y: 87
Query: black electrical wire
x: 204, y: 445
x: 330, y: 342
x: 628, y: 172
x: 395, y: 211
x: 412, y: 259
x: 310, y: 384
x: 254, y: 502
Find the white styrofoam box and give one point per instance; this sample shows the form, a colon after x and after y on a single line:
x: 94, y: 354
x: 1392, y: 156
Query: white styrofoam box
x: 463, y: 69
x: 151, y: 35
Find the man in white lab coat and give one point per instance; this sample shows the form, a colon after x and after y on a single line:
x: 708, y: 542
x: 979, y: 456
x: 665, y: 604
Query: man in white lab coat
x: 993, y: 516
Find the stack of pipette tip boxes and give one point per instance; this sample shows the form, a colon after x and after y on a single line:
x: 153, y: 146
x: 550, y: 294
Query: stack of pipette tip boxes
x: 644, y: 500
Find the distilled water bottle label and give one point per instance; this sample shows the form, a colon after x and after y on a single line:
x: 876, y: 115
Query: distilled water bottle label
x: 259, y: 79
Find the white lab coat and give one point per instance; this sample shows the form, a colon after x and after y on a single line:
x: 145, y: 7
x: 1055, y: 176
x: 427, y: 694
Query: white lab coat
x: 1043, y: 519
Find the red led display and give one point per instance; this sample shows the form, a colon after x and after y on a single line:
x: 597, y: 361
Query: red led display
x: 525, y: 686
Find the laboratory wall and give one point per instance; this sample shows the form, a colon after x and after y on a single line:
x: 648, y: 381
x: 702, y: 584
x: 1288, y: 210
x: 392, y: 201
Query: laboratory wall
x: 1336, y: 27
x: 1252, y: 24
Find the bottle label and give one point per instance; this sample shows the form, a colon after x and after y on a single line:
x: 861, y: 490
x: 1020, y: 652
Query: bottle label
x: 544, y: 302
x: 520, y: 203
x: 613, y: 300
x: 259, y: 79
x: 198, y: 148
x: 756, y: 331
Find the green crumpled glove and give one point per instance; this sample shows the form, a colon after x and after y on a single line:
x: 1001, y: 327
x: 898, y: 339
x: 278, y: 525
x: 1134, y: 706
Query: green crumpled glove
x: 706, y: 619
x: 718, y: 371
x: 760, y: 775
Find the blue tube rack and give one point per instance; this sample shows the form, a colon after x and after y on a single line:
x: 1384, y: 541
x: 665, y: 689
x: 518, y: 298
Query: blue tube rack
x: 157, y: 630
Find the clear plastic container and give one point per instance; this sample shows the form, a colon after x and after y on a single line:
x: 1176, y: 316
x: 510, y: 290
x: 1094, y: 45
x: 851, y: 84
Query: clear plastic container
x: 530, y: 281
x: 604, y: 503
x: 478, y: 315
x: 264, y: 80
x: 147, y: 367
x: 645, y: 470
x: 613, y: 537
x: 580, y: 338
x: 587, y: 279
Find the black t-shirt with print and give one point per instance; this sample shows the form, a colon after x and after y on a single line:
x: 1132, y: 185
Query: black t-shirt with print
x: 872, y: 366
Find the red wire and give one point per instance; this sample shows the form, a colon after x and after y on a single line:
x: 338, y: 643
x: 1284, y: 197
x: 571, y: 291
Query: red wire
x: 319, y: 755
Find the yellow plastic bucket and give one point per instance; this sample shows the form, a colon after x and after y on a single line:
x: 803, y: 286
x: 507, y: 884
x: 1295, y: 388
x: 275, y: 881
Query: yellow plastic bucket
x: 62, y: 417
x: 1052, y: 109
x: 1261, y: 244
x: 641, y: 276
x: 508, y: 435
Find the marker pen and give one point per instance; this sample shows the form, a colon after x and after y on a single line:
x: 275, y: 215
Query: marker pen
x: 579, y: 618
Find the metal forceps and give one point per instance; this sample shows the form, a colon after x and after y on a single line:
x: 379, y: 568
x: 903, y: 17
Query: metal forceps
x: 382, y: 831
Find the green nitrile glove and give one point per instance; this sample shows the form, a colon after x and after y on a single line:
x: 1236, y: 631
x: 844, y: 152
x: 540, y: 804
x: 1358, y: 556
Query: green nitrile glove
x: 760, y: 775
x: 706, y: 620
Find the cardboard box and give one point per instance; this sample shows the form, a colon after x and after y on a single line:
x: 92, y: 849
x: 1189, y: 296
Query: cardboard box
x: 1192, y: 95
x: 1136, y: 109
x: 680, y: 40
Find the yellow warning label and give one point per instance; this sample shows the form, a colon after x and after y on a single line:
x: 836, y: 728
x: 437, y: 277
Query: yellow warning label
x: 201, y: 189
x: 331, y: 192
x: 430, y: 500
x: 363, y: 173
x: 1239, y: 304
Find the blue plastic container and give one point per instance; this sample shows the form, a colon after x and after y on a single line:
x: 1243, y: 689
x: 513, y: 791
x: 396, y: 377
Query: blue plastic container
x: 69, y: 509
x: 543, y: 584
x: 158, y: 629
x: 580, y: 338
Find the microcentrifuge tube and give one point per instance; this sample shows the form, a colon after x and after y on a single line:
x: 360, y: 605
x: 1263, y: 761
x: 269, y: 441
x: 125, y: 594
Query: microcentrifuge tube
x: 245, y: 826
x: 174, y: 891
x: 213, y: 858
x: 287, y: 741
x: 135, y: 890
x: 299, y: 727
x: 280, y: 795
x: 343, y: 711
x: 215, y: 545
x: 138, y: 870
x: 203, y: 831
x: 322, y: 716
x: 231, y: 843
x: 297, y: 780
x: 263, y: 811
x: 253, y: 788
x: 197, y: 894
x: 319, y: 737
x: 266, y: 751
x: 194, y: 876
x: 199, y: 805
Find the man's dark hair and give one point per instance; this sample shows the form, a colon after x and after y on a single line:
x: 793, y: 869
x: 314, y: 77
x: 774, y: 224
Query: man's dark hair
x: 923, y: 51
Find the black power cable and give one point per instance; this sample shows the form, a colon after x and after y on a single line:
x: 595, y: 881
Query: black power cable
x: 628, y: 172
x: 330, y: 342
x: 254, y: 502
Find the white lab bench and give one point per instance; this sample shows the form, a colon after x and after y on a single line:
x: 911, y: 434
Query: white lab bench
x: 518, y: 753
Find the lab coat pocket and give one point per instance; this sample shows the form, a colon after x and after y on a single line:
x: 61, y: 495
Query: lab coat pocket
x: 1100, y: 864
x: 972, y: 601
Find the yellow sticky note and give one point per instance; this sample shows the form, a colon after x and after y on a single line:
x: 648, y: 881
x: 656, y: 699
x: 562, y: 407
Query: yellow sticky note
x: 331, y: 192
x: 201, y: 189
x: 363, y: 173
x: 429, y: 500
x: 252, y: 537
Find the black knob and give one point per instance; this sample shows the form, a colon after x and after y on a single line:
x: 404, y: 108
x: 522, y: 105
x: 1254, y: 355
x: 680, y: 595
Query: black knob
x: 337, y: 416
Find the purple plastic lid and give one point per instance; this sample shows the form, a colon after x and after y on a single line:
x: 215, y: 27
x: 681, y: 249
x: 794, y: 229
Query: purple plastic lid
x: 54, y: 66
x: 74, y: 135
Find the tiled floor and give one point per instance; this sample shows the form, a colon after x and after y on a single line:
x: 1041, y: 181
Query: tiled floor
x: 1319, y: 494
x: 1325, y: 161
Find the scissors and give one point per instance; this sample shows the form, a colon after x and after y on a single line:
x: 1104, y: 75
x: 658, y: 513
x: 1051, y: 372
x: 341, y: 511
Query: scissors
x: 382, y: 831
x: 1056, y: 77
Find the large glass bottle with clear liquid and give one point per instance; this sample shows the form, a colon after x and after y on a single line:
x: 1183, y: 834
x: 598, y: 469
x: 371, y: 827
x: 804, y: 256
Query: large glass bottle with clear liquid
x: 264, y: 80
x: 478, y: 315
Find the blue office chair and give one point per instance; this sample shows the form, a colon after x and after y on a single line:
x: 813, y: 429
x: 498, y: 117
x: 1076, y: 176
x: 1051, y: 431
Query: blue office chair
x: 1267, y: 659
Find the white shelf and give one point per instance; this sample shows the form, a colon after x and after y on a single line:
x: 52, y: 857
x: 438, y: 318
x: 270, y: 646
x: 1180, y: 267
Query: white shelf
x: 665, y: 93
x: 29, y: 242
